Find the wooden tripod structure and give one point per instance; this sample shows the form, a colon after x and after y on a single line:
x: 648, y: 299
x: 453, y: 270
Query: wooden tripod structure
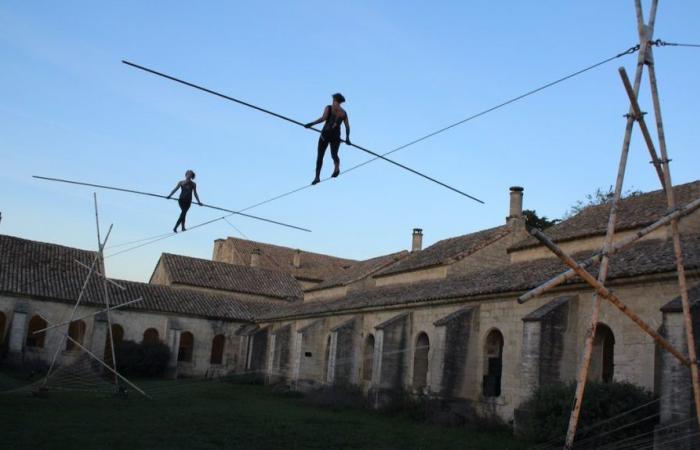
x: 661, y: 164
x: 99, y: 260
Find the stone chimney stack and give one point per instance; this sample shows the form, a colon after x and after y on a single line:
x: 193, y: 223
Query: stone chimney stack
x: 417, y: 242
x: 515, y: 217
x: 516, y: 201
x: 296, y: 260
x: 255, y: 258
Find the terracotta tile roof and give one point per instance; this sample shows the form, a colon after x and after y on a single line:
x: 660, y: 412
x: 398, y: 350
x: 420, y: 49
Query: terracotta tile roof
x: 645, y: 258
x: 314, y: 266
x: 360, y: 270
x: 211, y: 305
x: 447, y: 250
x: 48, y: 272
x: 197, y: 272
x: 633, y: 212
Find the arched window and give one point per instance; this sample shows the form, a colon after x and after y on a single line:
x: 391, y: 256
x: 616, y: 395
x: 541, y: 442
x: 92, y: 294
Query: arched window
x: 603, y: 356
x: 217, y: 349
x: 36, y: 323
x: 420, y: 362
x: 76, y: 331
x: 185, y: 351
x: 368, y: 358
x: 493, y: 364
x: 151, y: 336
x: 3, y: 320
x: 117, y: 336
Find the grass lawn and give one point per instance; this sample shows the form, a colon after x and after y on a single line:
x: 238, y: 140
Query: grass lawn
x: 215, y: 415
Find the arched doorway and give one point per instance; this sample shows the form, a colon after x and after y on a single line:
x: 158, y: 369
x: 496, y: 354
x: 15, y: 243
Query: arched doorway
x: 327, y: 359
x: 217, y: 349
x: 602, y: 368
x: 76, y: 331
x: 36, y: 340
x: 368, y: 358
x: 3, y: 321
x: 420, y: 362
x: 151, y: 336
x: 117, y: 333
x: 186, y: 349
x: 493, y: 364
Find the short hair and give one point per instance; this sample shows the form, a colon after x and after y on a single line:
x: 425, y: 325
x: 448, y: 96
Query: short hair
x: 339, y: 97
x: 190, y: 170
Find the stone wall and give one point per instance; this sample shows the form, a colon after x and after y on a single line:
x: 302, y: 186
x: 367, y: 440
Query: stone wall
x: 456, y: 359
x: 19, y: 312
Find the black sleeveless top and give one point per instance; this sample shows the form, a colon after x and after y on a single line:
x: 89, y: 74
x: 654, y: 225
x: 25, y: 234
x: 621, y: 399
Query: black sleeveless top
x: 331, y: 129
x: 186, y: 189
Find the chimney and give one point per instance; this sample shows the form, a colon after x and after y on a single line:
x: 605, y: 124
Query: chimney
x: 296, y: 260
x: 516, y: 202
x: 417, y: 242
x: 255, y: 258
x: 515, y: 217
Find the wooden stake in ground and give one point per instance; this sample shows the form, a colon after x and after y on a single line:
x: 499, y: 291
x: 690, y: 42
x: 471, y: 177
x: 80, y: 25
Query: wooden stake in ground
x: 645, y: 34
x: 680, y: 267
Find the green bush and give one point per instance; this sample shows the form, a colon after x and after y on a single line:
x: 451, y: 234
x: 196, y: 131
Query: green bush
x: 545, y: 416
x: 142, y: 359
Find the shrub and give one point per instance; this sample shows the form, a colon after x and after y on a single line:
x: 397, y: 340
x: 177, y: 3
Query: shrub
x: 337, y: 397
x: 545, y: 416
x: 142, y: 359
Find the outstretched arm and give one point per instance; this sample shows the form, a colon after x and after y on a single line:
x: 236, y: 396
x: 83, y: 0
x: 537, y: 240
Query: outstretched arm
x: 346, y: 121
x: 194, y: 190
x: 177, y: 186
x: 323, y: 117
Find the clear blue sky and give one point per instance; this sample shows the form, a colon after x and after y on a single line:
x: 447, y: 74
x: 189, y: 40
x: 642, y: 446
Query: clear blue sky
x: 70, y: 109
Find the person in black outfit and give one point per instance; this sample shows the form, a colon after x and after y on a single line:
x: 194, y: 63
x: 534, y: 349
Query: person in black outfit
x: 187, y: 188
x: 333, y: 115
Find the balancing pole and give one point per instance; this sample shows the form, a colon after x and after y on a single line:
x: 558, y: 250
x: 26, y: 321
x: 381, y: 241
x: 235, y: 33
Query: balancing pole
x: 296, y: 122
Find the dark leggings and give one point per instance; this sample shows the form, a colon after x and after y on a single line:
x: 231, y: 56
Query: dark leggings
x: 322, y: 146
x: 184, y: 207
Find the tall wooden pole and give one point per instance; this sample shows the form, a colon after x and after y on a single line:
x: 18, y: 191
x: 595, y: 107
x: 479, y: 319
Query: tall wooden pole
x: 645, y: 34
x: 680, y: 267
x: 101, y: 256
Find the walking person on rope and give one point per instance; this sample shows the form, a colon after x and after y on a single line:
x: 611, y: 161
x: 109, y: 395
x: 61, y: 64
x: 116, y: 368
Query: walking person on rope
x: 187, y: 188
x: 333, y: 115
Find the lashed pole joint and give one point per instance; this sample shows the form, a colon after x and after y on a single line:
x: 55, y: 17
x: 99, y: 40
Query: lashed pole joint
x: 607, y: 294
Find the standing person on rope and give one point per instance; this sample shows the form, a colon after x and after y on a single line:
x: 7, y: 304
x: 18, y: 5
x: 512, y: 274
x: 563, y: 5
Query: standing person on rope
x: 333, y: 115
x: 187, y: 188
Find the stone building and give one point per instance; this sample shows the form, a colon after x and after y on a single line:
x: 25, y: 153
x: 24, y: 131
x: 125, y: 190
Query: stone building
x: 444, y: 320
x: 441, y: 321
x: 40, y: 282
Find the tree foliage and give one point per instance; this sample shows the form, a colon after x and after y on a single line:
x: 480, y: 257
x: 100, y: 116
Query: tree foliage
x: 599, y: 197
x: 610, y: 412
x: 142, y: 359
x: 532, y: 220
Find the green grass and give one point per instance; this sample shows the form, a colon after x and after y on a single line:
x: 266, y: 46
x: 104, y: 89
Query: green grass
x: 214, y: 415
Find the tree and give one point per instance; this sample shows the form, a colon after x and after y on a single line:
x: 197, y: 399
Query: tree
x: 532, y: 220
x: 599, y: 197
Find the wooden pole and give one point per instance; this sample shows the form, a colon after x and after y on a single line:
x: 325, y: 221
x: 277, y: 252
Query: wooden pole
x: 99, y: 274
x: 106, y: 292
x: 645, y: 34
x: 618, y: 246
x: 91, y: 269
x: 639, y: 117
x: 607, y: 294
x: 680, y: 267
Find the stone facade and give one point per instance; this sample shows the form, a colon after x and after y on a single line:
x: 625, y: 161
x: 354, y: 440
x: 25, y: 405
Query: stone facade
x: 446, y: 324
